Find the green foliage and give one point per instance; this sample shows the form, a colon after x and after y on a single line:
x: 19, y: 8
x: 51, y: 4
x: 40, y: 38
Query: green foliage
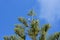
x: 22, y: 20
x: 6, y: 38
x: 44, y: 30
x: 19, y: 31
x: 54, y: 36
x: 33, y: 31
x: 31, y: 13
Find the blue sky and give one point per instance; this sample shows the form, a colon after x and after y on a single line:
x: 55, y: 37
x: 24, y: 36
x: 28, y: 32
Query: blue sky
x: 48, y: 11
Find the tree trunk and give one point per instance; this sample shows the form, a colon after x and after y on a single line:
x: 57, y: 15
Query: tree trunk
x: 34, y: 38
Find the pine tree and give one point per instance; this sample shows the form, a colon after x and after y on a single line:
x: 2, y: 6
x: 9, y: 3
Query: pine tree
x: 33, y: 30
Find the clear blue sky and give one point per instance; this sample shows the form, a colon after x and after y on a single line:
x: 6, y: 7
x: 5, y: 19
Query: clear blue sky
x: 10, y: 10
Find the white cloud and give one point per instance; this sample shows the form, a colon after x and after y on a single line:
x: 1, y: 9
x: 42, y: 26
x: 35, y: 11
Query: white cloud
x: 50, y: 10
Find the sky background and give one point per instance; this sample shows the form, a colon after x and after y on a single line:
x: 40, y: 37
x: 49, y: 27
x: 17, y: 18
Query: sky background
x: 48, y: 11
